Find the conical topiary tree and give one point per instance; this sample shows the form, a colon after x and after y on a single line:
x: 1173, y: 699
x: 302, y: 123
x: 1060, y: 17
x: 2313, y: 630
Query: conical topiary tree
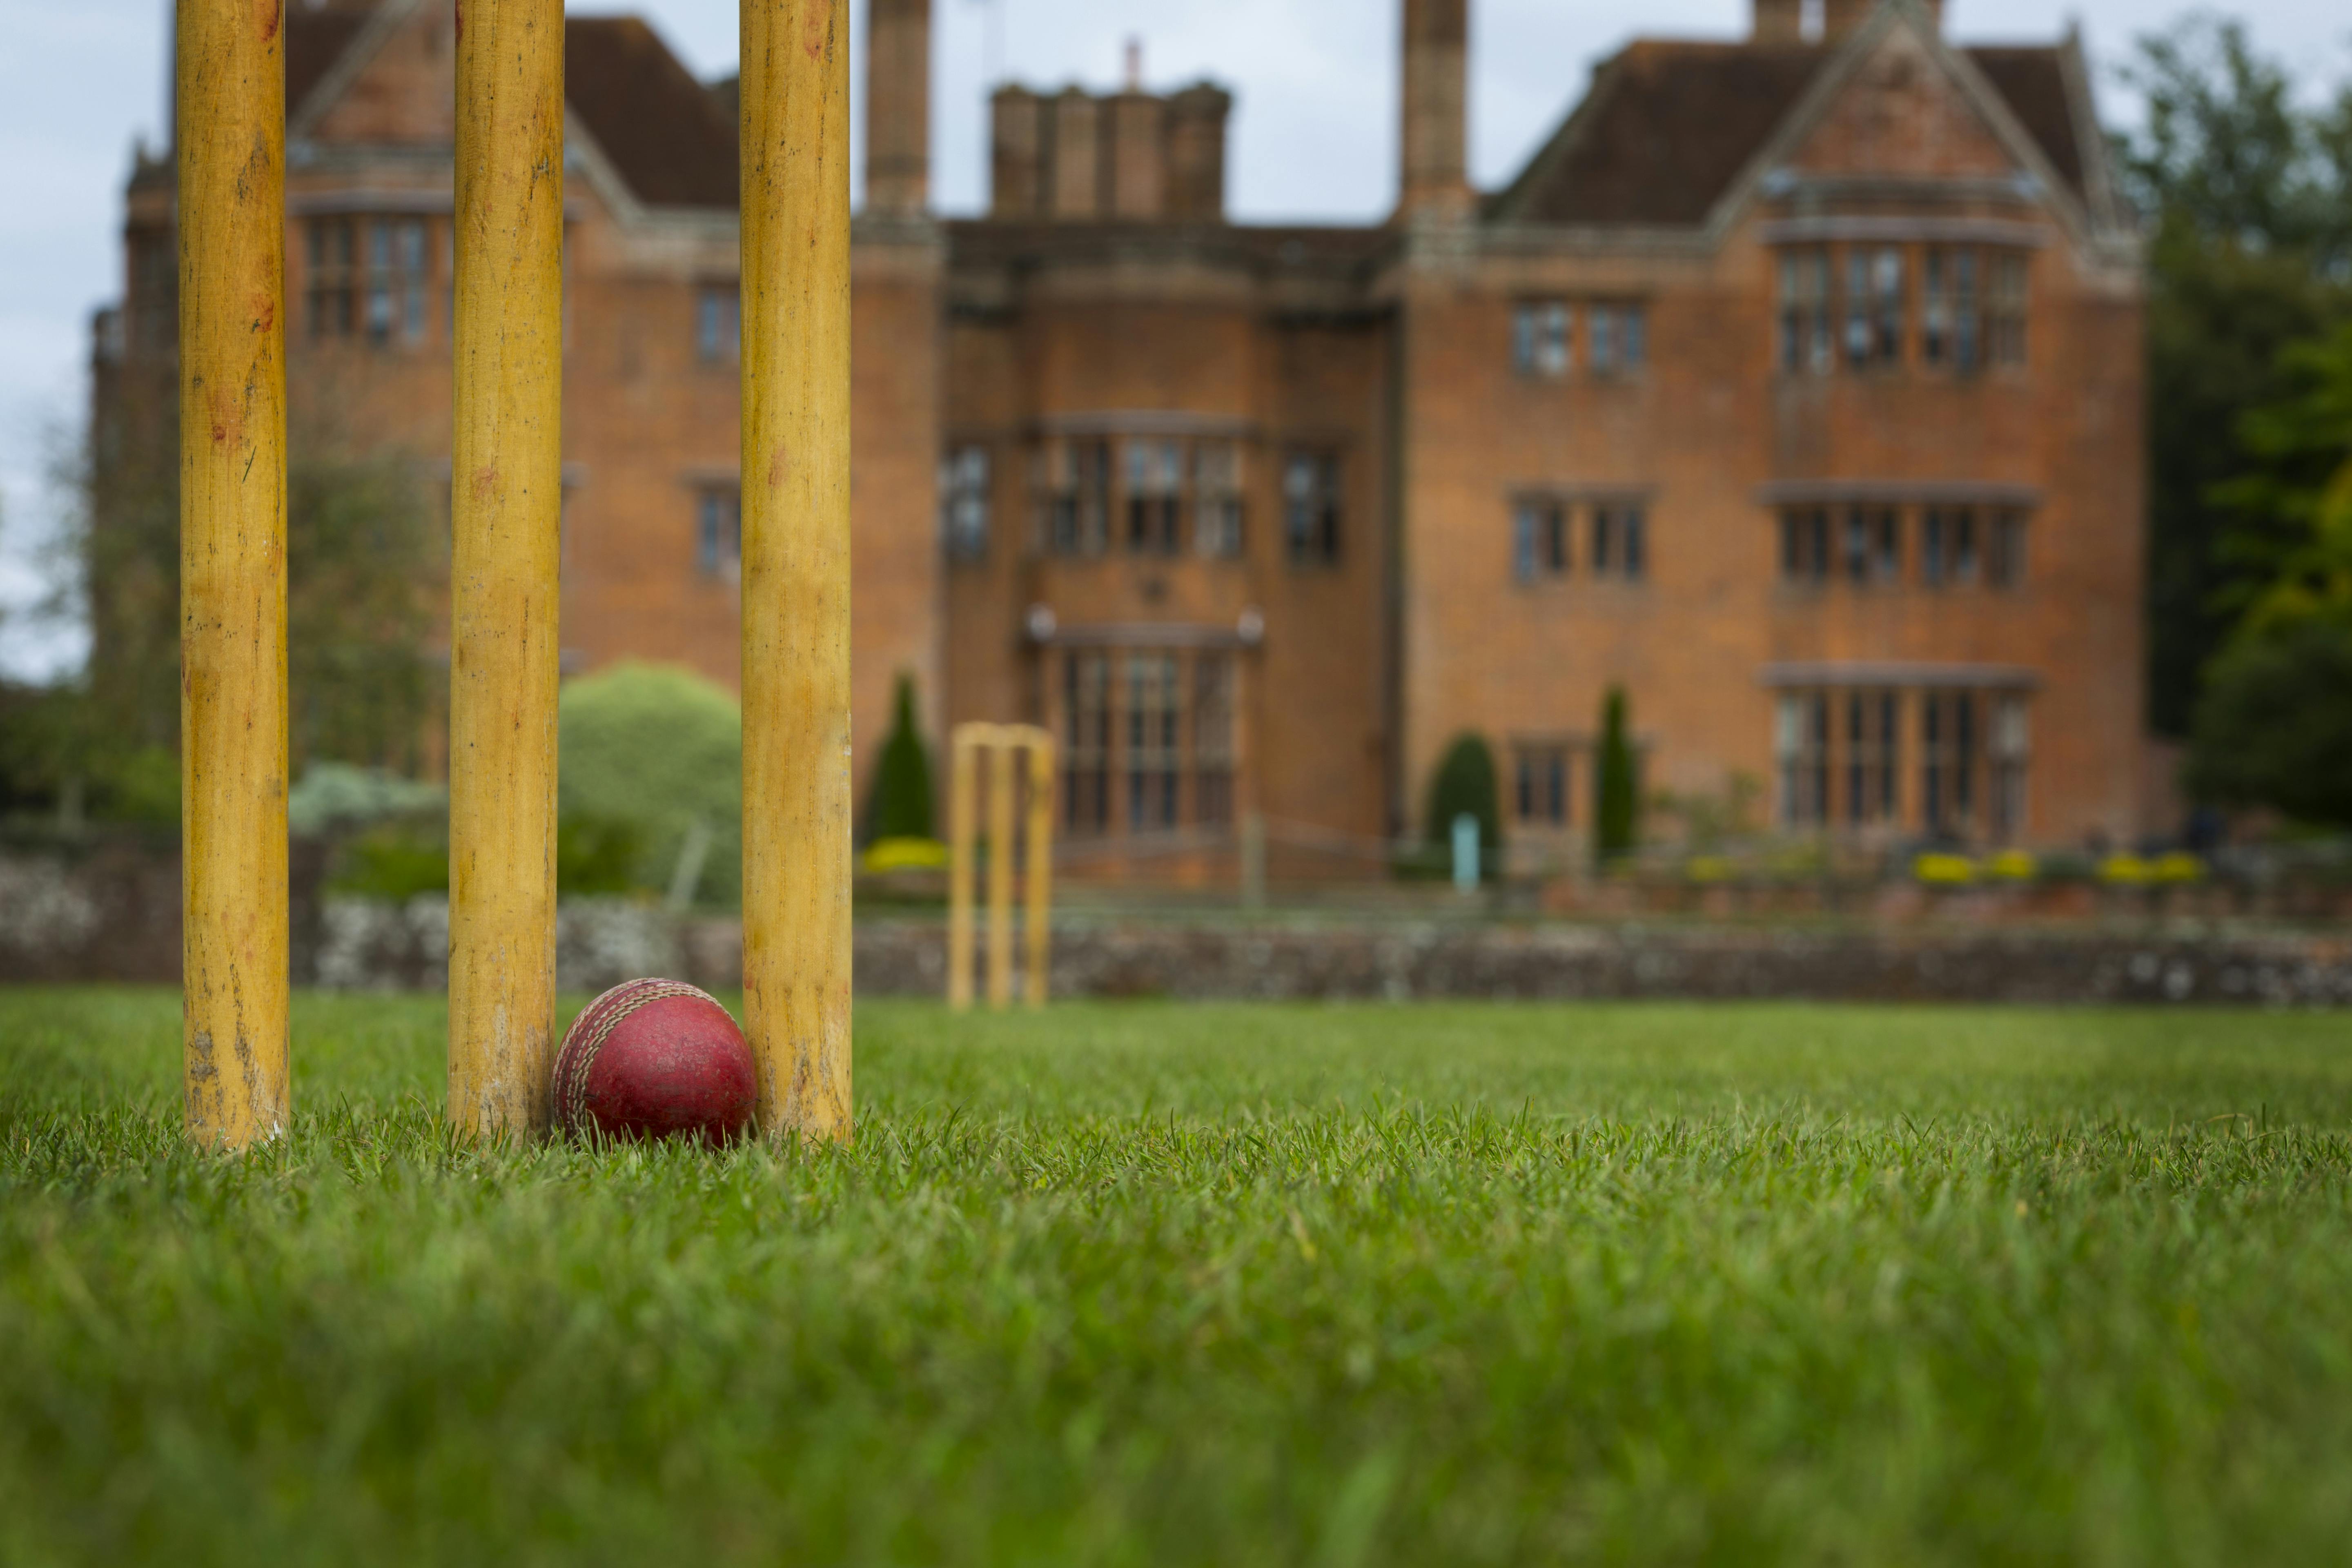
x: 1466, y: 782
x: 900, y: 804
x: 1616, y: 816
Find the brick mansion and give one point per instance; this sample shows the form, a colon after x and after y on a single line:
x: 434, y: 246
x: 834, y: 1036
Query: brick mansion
x: 1793, y: 387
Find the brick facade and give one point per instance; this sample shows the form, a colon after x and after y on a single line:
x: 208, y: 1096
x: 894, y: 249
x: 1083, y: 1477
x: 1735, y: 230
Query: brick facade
x: 1795, y: 387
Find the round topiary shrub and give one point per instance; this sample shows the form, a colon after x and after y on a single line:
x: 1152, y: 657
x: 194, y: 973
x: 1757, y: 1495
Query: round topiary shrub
x: 650, y: 751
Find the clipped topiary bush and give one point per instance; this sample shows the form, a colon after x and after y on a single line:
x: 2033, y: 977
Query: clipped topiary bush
x: 1616, y: 815
x: 647, y: 750
x: 1466, y: 782
x: 900, y: 804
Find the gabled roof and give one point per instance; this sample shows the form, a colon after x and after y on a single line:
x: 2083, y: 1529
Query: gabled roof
x: 315, y: 40
x: 1668, y: 127
x: 1664, y: 132
x: 657, y: 128
x: 656, y: 125
x: 2032, y: 82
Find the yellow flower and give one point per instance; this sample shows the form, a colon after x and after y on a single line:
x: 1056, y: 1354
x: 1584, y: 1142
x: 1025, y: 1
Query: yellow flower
x: 905, y: 854
x: 1945, y: 870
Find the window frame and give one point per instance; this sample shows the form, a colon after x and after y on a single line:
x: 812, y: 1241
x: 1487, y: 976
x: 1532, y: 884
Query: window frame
x: 1543, y: 336
x: 1542, y: 792
x: 719, y: 532
x: 1154, y: 471
x: 1617, y: 344
x: 718, y: 321
x: 966, y: 501
x: 1088, y: 729
x: 1806, y: 309
x: 1313, y: 521
x: 1540, y: 539
x: 331, y: 281
x: 1153, y: 760
x: 1220, y: 503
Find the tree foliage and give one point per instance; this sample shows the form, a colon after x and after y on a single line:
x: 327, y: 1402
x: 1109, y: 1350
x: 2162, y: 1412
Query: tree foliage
x: 2274, y: 723
x: 2250, y: 195
x: 364, y: 560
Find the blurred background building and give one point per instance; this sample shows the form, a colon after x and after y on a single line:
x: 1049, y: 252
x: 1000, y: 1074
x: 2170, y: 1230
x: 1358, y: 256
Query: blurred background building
x: 1793, y: 389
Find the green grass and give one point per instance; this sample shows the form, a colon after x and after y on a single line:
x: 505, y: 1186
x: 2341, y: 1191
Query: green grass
x: 1215, y: 1285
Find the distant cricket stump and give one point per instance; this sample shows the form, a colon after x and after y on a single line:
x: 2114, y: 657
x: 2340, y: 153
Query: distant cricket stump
x: 1002, y: 745
x: 505, y: 509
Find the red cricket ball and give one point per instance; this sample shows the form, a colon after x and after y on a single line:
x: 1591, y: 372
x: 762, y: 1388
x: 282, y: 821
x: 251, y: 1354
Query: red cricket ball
x: 655, y: 1059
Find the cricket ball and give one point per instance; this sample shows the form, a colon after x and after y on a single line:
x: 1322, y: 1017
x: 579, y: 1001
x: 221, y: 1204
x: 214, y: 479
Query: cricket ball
x: 655, y: 1059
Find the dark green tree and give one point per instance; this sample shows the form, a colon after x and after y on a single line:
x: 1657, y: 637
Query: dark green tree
x: 1465, y: 783
x: 900, y: 805
x: 1617, y: 809
x: 2296, y: 497
x: 2250, y: 195
x: 364, y: 564
x: 2275, y: 723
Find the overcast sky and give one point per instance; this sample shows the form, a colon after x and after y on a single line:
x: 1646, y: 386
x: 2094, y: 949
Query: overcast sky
x: 1315, y: 82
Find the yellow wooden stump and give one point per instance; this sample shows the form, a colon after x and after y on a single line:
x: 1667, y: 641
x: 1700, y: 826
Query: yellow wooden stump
x: 1002, y: 743
x: 1040, y: 872
x: 1000, y: 873
x: 795, y: 489
x: 506, y: 513
x: 232, y: 232
x: 962, y: 811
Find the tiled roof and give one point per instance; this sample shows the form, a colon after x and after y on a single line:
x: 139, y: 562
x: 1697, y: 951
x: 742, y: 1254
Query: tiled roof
x: 656, y: 125
x: 662, y: 131
x: 1668, y: 126
x: 315, y: 40
x: 2032, y: 82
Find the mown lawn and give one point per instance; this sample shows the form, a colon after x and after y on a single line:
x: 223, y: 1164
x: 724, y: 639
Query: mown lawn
x: 1215, y: 1285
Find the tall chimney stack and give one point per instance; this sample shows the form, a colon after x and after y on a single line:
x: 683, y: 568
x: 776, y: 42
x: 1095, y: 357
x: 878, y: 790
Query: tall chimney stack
x: 1779, y: 22
x: 899, y: 106
x: 1840, y: 17
x: 1434, y: 165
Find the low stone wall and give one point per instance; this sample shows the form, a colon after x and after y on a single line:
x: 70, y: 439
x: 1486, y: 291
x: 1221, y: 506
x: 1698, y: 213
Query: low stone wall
x: 115, y: 916
x: 368, y: 945
x: 1589, y: 962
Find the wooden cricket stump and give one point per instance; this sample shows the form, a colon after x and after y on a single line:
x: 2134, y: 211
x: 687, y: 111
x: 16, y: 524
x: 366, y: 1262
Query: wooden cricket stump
x: 1003, y: 744
x: 234, y: 754
x: 505, y: 509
